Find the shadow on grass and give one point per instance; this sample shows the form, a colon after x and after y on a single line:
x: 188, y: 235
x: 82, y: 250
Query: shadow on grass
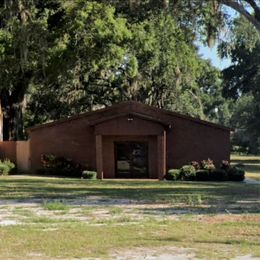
x: 251, y: 165
x: 218, y: 195
x: 229, y: 242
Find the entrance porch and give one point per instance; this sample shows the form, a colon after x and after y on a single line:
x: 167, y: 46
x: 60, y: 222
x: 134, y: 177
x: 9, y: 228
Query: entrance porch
x: 129, y: 149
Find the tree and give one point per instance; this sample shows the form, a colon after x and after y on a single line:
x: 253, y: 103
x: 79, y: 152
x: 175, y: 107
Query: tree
x: 241, y: 83
x: 90, y: 47
x: 242, y: 8
x: 63, y: 57
x: 250, y: 9
x: 23, y: 30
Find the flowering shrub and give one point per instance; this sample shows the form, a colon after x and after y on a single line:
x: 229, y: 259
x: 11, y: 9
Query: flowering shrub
x: 208, y: 165
x: 225, y: 165
x: 206, y: 171
x: 195, y: 164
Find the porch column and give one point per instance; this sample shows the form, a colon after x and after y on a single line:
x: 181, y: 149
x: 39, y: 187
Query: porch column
x: 99, y: 156
x: 161, y: 155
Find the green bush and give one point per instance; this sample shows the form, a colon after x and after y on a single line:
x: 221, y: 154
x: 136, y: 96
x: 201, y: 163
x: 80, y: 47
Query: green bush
x: 236, y: 174
x: 225, y: 165
x: 188, y: 173
x: 92, y: 175
x: 173, y: 175
x: 6, y: 167
x: 202, y: 175
x: 218, y: 175
x: 54, y: 165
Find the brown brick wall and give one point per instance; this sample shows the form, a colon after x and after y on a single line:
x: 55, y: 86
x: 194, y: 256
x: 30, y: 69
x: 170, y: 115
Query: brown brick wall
x: 74, y: 140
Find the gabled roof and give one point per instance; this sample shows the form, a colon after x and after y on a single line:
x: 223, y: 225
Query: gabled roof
x: 130, y: 114
x: 132, y: 107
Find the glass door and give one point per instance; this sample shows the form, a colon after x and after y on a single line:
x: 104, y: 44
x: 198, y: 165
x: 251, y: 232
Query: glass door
x: 131, y: 159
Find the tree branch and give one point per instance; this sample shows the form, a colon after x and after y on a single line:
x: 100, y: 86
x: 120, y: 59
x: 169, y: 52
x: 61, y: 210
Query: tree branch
x: 240, y: 8
x: 253, y: 4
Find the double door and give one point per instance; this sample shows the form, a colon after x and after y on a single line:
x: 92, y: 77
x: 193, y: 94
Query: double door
x: 131, y: 159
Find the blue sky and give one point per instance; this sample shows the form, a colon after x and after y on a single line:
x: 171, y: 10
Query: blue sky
x: 211, y: 54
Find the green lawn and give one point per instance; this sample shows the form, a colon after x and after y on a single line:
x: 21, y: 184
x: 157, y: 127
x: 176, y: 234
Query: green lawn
x: 74, y: 218
x: 252, y: 165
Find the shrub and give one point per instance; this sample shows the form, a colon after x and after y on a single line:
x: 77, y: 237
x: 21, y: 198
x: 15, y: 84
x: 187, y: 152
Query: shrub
x: 208, y: 165
x: 225, y: 165
x: 187, y: 172
x: 202, y: 175
x: 6, y: 167
x: 45, y: 171
x: 196, y: 165
x: 173, y: 175
x: 92, y: 175
x: 236, y: 174
x: 53, y: 165
x: 218, y: 175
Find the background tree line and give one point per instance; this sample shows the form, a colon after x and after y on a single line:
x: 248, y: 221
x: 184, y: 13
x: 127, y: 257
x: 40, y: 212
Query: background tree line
x: 59, y: 58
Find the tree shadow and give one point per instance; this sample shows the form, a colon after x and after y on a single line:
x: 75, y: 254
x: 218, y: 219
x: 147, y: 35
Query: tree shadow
x: 217, y: 197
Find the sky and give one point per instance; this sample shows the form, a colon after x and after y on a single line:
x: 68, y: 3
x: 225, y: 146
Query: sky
x: 211, y: 54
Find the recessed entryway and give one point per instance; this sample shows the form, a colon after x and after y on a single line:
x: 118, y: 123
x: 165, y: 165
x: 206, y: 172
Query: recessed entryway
x: 131, y: 159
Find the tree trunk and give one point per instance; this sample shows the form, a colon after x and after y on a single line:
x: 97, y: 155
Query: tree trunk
x: 12, y: 107
x: 13, y: 122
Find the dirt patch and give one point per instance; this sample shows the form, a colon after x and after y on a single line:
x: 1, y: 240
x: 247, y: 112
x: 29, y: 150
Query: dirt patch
x: 8, y: 222
x: 160, y: 253
x: 215, y: 219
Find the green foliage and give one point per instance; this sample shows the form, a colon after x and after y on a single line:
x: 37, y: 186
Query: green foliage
x: 188, y: 172
x: 54, y: 165
x: 6, y: 167
x: 202, y: 175
x: 89, y: 49
x: 60, y: 58
x: 173, y: 175
x: 92, y: 175
x: 236, y: 174
x: 152, y: 61
x: 218, y: 175
x: 241, y: 83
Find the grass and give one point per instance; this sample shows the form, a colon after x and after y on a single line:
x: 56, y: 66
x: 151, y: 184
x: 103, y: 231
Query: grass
x: 78, y: 240
x: 56, y: 205
x: 252, y: 165
x: 75, y: 218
